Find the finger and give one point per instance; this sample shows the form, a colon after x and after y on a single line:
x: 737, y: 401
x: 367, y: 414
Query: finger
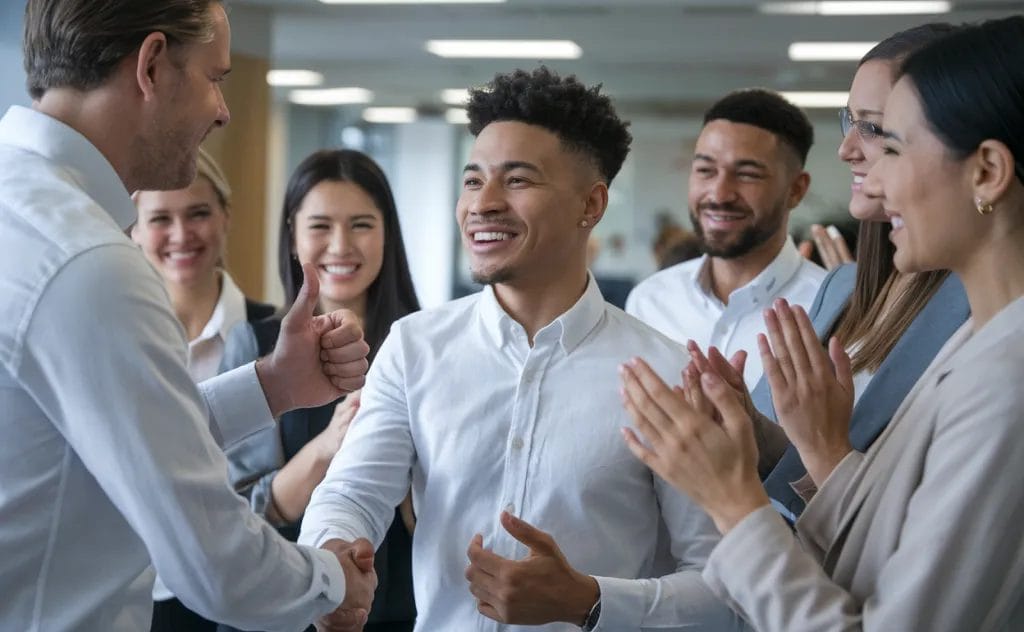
x: 644, y: 427
x: 725, y: 369
x: 778, y: 350
x: 738, y: 361
x: 343, y: 620
x: 488, y: 611
x: 362, y: 554
x: 795, y: 348
x: 356, y: 350
x: 842, y: 251
x: 735, y: 420
x: 806, y: 248
x: 824, y: 245
x: 539, y: 542
x: 639, y: 406
x: 487, y: 561
x: 841, y: 361
x: 639, y: 450
x: 354, y: 368
x: 338, y: 328
x: 812, y: 345
x: 347, y: 384
x: 302, y: 310
x: 697, y: 356
x: 695, y: 394
x: 344, y: 413
x: 772, y: 371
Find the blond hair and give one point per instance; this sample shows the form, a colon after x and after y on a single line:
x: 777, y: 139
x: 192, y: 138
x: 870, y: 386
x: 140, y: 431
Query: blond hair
x: 207, y: 167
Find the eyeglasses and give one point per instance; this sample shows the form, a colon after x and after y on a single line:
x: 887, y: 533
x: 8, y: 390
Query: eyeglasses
x: 866, y: 129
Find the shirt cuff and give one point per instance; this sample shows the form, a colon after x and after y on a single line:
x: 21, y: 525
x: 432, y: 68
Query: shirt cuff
x: 804, y: 487
x: 622, y: 604
x: 238, y: 406
x: 329, y: 579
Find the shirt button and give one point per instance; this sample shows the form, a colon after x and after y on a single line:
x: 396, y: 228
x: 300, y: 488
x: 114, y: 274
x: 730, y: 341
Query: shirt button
x: 517, y: 444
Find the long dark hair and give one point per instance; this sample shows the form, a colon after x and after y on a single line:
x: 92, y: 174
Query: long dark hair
x: 391, y: 295
x: 872, y: 322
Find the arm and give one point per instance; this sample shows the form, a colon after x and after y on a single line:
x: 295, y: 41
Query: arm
x: 960, y: 551
x: 371, y: 473
x: 118, y: 391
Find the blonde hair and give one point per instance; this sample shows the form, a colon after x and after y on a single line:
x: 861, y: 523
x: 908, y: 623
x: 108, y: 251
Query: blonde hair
x: 208, y: 168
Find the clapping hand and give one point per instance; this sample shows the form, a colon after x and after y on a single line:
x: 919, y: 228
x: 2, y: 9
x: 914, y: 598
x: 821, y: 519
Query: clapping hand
x: 813, y: 395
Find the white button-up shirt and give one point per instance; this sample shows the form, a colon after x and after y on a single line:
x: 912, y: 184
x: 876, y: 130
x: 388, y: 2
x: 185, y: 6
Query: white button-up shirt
x: 460, y: 405
x: 107, y: 460
x: 678, y: 302
x: 207, y: 349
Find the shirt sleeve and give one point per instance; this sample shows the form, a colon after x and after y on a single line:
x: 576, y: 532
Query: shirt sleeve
x: 678, y: 600
x: 371, y: 474
x: 236, y: 405
x: 105, y: 359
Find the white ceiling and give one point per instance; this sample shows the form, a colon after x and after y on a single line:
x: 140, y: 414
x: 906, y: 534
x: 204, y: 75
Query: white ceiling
x: 656, y: 57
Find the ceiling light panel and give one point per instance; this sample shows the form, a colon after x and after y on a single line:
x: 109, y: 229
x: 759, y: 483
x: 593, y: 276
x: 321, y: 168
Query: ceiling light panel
x: 505, y: 49
x: 829, y: 51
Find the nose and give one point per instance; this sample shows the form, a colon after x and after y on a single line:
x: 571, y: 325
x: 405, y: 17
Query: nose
x: 489, y: 198
x: 223, y: 113
x: 339, y: 241
x: 178, y: 231
x: 850, y: 149
x: 723, y: 189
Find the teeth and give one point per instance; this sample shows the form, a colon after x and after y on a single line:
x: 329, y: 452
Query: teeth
x: 491, y: 236
x: 858, y: 179
x: 177, y: 256
x: 897, y: 222
x: 339, y: 269
x: 720, y: 217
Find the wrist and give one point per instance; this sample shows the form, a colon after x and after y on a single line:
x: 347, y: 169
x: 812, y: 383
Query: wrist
x: 820, y: 463
x: 728, y: 516
x: 277, y: 398
x: 585, y: 595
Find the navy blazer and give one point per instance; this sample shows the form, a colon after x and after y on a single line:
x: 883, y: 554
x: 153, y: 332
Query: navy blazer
x: 940, y: 318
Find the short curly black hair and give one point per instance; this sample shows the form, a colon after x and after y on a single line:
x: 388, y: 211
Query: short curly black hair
x: 581, y: 117
x: 770, y: 111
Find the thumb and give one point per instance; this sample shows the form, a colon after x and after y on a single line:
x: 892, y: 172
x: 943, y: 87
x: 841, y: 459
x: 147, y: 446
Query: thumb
x: 735, y: 420
x: 305, y: 304
x: 539, y: 542
x: 362, y: 554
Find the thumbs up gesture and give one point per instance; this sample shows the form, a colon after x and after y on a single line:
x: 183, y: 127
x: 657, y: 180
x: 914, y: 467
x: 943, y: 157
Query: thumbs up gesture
x: 317, y: 359
x: 540, y: 588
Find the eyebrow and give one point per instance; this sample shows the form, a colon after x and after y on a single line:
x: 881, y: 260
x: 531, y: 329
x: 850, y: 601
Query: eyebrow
x: 866, y: 112
x: 508, y: 165
x: 744, y: 162
x: 323, y: 218
x: 891, y: 136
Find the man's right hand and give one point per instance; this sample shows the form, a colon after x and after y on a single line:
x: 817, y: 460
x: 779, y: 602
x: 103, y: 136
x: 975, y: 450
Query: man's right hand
x: 356, y: 560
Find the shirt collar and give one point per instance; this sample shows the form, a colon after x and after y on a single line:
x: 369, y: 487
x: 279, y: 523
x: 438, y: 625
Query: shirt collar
x: 230, y: 310
x: 571, y: 327
x: 44, y: 135
x: 765, y: 285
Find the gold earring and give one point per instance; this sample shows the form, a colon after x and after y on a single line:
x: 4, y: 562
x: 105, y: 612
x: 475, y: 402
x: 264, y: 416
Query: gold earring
x: 984, y: 208
x: 584, y: 223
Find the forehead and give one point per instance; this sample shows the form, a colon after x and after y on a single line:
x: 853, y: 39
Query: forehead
x: 199, y: 192
x: 338, y: 199
x: 514, y: 141
x: 217, y: 51
x: 903, y: 109
x: 727, y: 141
x: 871, y: 86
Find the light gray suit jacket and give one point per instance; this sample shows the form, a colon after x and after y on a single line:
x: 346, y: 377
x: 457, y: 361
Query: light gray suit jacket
x: 923, y: 532
x: 944, y: 313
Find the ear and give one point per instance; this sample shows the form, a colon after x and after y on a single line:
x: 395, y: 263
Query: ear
x: 151, y: 62
x: 798, y: 189
x: 596, y: 203
x: 993, y: 171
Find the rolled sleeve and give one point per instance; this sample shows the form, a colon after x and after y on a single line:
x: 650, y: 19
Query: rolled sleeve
x: 237, y: 406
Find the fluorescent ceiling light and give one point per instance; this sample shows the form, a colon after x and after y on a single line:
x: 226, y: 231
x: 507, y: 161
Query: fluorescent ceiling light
x: 389, y: 115
x: 829, y: 51
x: 817, y: 99
x: 413, y: 1
x: 456, y: 116
x: 505, y: 49
x: 455, y: 96
x: 294, y: 78
x: 330, y: 96
x: 857, y: 7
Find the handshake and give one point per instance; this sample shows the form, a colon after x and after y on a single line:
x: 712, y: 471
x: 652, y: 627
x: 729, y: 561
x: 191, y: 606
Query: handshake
x: 356, y: 560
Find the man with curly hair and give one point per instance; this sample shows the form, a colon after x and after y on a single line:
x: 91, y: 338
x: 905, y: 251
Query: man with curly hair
x: 501, y: 409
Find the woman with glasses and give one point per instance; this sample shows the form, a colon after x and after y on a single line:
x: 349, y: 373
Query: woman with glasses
x: 922, y: 531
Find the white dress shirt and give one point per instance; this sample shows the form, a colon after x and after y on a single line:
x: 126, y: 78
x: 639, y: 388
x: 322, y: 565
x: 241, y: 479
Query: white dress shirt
x: 207, y: 349
x: 678, y: 302
x: 107, y: 460
x: 460, y: 405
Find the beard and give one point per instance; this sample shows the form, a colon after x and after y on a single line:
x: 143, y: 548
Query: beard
x: 491, y: 277
x: 166, y: 159
x: 730, y: 245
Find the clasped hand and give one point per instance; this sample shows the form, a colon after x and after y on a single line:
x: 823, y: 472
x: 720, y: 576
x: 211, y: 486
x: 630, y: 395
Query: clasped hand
x: 356, y: 560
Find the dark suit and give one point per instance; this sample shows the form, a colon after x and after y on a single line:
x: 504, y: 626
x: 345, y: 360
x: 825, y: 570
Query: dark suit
x: 940, y: 318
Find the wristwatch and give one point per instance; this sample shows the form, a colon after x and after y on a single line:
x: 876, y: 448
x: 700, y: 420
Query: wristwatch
x: 592, y: 617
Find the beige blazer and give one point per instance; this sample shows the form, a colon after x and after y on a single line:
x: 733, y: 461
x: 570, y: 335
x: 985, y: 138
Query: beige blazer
x: 923, y: 532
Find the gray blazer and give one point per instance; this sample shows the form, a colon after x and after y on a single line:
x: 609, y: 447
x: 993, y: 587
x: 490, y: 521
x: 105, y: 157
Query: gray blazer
x: 923, y: 532
x: 941, y: 316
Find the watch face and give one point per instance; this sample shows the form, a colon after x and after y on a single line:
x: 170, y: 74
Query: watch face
x: 593, y: 618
